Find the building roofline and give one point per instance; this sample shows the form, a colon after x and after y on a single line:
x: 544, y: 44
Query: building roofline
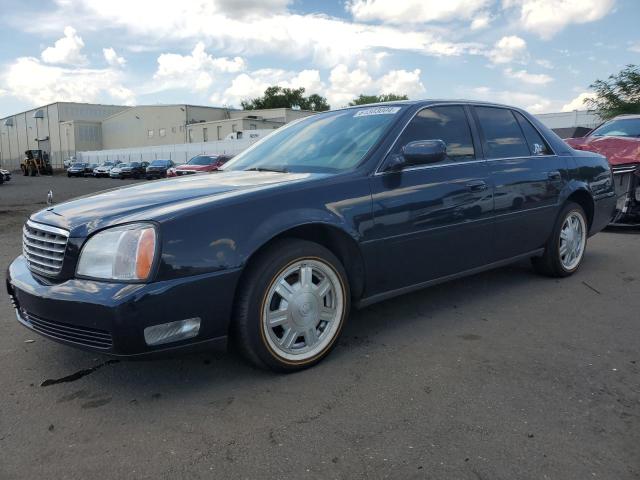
x: 186, y: 105
x: 225, y: 120
x: 59, y: 102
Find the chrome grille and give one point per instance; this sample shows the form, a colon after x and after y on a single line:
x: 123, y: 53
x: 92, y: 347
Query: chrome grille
x: 43, y: 246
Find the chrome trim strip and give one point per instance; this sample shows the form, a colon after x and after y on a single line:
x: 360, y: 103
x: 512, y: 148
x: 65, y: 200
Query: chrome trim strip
x: 48, y: 228
x: 421, y: 167
x: 623, y: 170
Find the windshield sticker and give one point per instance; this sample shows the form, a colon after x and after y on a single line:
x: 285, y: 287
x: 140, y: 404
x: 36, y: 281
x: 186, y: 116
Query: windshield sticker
x: 377, y: 111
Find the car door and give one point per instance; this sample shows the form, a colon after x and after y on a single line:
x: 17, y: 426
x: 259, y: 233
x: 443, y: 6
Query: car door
x: 434, y: 220
x: 527, y: 179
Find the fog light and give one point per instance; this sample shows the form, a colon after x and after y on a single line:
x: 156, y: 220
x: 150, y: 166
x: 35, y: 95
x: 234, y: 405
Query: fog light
x: 172, y: 331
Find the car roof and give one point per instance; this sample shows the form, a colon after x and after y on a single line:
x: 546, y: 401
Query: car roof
x: 432, y: 101
x: 627, y: 116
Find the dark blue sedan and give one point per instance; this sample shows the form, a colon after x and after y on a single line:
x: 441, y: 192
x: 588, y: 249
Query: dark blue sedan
x: 348, y: 207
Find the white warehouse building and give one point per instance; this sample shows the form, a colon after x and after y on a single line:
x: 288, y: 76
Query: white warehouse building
x: 60, y: 129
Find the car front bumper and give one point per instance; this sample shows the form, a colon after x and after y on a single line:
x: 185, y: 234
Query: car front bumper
x: 111, y: 317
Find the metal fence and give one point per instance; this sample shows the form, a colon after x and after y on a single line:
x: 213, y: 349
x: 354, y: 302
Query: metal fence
x: 179, y: 153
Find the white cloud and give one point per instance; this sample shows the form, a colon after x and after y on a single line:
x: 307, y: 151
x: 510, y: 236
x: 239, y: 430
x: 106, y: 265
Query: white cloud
x: 529, y: 101
x: 342, y: 87
x: 27, y: 78
x: 112, y: 57
x: 548, y: 17
x: 545, y: 64
x: 635, y: 47
x: 578, y: 102
x: 67, y: 50
x: 480, y: 21
x: 327, y: 41
x: 253, y: 84
x: 345, y: 84
x: 414, y: 11
x: 526, y: 77
x: 508, y: 49
x: 179, y: 71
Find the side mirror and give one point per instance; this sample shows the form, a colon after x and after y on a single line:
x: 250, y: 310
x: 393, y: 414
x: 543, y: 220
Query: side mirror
x: 419, y: 152
x: 424, y: 151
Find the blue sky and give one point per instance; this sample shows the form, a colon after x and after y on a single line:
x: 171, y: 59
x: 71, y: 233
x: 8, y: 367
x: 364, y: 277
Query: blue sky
x: 538, y: 54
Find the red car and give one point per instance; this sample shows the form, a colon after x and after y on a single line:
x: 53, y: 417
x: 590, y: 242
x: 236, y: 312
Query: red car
x: 199, y: 164
x: 619, y: 141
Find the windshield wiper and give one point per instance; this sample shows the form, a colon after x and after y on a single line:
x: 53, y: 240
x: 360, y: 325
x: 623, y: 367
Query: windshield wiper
x: 267, y: 169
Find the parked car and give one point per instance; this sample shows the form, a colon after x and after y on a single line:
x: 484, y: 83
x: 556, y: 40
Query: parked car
x: 5, y: 175
x: 619, y: 141
x: 129, y: 170
x: 199, y: 164
x: 344, y: 207
x: 103, y: 169
x: 77, y: 169
x: 158, y: 169
x: 90, y: 169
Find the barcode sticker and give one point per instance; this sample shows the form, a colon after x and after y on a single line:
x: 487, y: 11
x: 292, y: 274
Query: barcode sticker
x: 377, y: 111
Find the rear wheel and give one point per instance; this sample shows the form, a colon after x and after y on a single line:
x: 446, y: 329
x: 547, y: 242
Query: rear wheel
x: 291, y: 306
x: 565, y: 249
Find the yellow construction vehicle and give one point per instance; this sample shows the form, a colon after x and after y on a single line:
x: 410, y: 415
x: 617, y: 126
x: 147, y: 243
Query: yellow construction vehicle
x: 36, y: 162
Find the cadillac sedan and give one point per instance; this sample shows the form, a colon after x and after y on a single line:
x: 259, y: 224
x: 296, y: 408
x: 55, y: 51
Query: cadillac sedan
x: 348, y: 207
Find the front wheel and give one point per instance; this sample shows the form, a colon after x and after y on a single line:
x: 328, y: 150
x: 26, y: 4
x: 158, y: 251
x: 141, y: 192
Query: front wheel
x: 291, y: 306
x: 565, y: 249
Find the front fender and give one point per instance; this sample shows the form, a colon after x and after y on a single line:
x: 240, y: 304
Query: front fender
x: 224, y: 236
x: 282, y: 222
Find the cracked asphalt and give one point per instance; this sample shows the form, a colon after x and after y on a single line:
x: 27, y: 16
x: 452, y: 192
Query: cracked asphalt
x: 498, y: 376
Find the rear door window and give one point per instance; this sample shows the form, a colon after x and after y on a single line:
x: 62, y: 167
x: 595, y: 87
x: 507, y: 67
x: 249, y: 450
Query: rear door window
x: 537, y: 145
x: 446, y: 123
x: 502, y: 133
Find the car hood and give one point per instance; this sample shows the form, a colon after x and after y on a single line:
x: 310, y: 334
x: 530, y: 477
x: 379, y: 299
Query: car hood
x: 154, y: 201
x: 618, y: 150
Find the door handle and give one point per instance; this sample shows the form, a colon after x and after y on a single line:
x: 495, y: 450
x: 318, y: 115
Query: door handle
x: 554, y: 176
x: 477, y: 186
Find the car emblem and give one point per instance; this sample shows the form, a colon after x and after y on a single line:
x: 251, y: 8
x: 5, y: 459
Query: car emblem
x: 50, y: 197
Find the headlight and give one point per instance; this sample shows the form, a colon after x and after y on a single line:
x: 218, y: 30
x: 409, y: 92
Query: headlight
x: 119, y: 253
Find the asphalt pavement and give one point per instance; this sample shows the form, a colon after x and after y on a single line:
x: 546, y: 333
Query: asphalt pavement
x: 503, y: 375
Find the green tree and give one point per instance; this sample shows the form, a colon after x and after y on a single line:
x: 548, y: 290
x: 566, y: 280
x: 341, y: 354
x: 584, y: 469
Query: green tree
x: 279, y: 97
x: 617, y: 95
x: 385, y: 97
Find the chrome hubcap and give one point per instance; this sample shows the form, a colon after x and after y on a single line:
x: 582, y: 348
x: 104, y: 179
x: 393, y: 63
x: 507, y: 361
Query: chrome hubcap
x: 303, y: 310
x: 572, y: 240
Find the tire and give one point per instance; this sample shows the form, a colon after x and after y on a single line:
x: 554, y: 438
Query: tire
x: 553, y: 263
x: 309, y: 324
x: 69, y: 175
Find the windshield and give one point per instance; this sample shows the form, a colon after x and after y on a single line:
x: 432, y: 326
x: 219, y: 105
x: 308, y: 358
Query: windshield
x: 201, y: 160
x: 107, y: 164
x: 628, y: 127
x: 133, y: 164
x: 328, y: 142
x: 159, y: 163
